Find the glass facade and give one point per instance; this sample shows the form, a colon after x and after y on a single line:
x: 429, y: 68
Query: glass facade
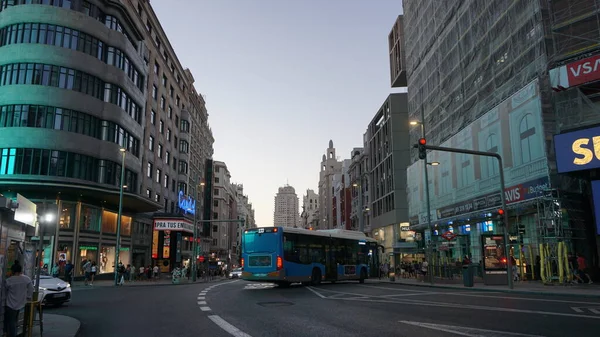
x: 48, y: 117
x: 65, y: 37
x: 69, y: 79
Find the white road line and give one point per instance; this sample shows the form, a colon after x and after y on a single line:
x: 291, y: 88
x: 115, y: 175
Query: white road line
x: 595, y: 311
x: 315, y: 292
x: 201, y: 298
x: 223, y: 324
x: 465, y: 331
x: 205, y: 308
x: 576, y: 309
x: 474, y: 307
x: 397, y: 289
x: 201, y: 302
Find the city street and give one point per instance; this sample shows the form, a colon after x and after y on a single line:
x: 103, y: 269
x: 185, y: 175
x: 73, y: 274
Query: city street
x: 240, y: 308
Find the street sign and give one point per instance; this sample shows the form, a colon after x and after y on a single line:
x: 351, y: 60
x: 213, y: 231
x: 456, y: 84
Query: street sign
x: 449, y: 236
x: 201, y: 258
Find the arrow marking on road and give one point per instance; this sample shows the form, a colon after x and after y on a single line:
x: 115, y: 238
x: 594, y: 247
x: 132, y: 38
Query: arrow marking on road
x: 466, y: 331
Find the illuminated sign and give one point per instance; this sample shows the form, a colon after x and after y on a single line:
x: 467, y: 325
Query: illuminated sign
x: 578, y: 150
x: 155, y: 244
x: 173, y: 225
x: 186, y: 203
x: 575, y: 73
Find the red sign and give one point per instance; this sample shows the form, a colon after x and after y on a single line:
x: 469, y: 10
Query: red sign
x: 449, y: 236
x: 584, y: 71
x: 201, y: 258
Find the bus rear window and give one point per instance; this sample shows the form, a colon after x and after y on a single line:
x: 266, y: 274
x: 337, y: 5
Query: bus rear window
x: 255, y: 242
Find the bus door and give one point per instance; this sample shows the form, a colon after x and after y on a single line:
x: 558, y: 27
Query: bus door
x: 331, y: 261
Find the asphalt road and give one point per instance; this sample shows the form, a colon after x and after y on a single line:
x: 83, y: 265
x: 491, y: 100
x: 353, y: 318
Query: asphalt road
x: 244, y: 309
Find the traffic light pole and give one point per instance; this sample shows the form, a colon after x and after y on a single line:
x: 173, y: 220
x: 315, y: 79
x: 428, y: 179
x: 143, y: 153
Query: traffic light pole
x: 422, y: 146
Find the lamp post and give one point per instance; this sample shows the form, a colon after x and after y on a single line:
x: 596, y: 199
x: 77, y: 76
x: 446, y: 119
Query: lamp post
x: 43, y: 220
x: 428, y: 203
x: 194, y: 243
x: 118, y: 244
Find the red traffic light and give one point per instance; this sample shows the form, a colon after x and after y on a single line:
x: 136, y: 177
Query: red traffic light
x: 422, y: 141
x: 501, y: 211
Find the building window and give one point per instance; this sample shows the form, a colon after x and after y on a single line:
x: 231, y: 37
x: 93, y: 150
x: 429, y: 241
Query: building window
x: 158, y: 174
x: 216, y: 203
x: 166, y: 181
x: 156, y: 68
x: 170, y: 112
x: 154, y: 92
x: 89, y: 218
x: 183, y: 167
x: 216, y: 192
x: 148, y: 193
x: 162, y: 102
x: 149, y: 170
x: 171, y: 91
x: 527, y: 132
x: 491, y: 144
x: 169, y: 134
x: 161, y: 126
x: 160, y: 149
x: 177, y: 100
x: 153, y: 117
x: 151, y: 143
x: 216, y: 180
x: 164, y: 80
x: 157, y: 197
x: 167, y: 157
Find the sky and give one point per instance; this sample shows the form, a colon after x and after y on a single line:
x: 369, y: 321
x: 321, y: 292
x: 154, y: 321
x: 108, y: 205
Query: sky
x: 281, y: 78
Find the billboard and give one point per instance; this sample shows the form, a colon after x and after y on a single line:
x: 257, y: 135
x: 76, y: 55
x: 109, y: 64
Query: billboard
x: 596, y: 196
x: 577, y: 150
x: 465, y: 183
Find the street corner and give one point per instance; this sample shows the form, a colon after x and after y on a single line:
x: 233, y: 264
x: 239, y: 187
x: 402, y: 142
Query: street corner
x: 58, y: 326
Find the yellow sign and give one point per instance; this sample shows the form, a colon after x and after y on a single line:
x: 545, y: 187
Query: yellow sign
x: 587, y: 154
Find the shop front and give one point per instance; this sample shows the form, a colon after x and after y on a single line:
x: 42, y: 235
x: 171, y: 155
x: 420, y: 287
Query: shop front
x: 170, y: 237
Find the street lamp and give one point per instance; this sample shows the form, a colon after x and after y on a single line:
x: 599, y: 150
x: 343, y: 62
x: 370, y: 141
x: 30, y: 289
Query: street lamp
x: 43, y: 220
x: 428, y: 202
x: 194, y: 243
x: 118, y: 244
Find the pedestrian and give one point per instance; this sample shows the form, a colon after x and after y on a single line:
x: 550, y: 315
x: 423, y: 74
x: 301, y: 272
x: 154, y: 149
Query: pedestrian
x: 19, y: 289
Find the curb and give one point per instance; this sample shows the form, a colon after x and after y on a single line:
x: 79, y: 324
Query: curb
x: 525, y: 292
x: 78, y: 332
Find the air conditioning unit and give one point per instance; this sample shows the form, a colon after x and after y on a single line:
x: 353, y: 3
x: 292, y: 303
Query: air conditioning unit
x: 7, y: 203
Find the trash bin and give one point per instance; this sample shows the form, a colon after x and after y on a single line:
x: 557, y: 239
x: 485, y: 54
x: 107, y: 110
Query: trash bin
x: 467, y: 274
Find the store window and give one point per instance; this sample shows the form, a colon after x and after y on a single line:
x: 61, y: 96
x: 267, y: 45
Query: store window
x: 109, y: 223
x: 87, y: 252
x: 107, y: 258
x: 89, y: 219
x: 67, y: 215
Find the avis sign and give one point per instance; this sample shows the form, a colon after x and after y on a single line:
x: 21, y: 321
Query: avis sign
x: 575, y: 73
x: 578, y: 150
x: 173, y: 225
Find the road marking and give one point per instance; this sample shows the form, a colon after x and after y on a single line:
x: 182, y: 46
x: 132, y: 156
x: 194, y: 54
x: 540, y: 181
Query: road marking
x: 475, y: 307
x: 397, y: 289
x: 595, y: 310
x: 466, y: 331
x: 315, y: 292
x: 205, y: 308
x: 201, y: 302
x: 223, y: 324
x: 201, y: 298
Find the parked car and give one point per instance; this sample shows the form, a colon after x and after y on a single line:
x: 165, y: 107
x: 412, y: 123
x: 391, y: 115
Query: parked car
x: 54, y: 291
x: 236, y: 273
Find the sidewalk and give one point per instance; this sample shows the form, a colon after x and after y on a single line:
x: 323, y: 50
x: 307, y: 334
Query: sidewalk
x: 159, y: 282
x: 535, y: 288
x: 58, y: 326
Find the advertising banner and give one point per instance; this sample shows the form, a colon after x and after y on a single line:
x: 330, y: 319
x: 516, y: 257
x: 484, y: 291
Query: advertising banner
x: 464, y: 183
x: 577, y: 150
x: 173, y: 225
x: 596, y: 196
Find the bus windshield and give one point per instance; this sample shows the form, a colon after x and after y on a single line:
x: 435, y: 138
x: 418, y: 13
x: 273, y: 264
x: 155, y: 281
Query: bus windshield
x: 255, y: 242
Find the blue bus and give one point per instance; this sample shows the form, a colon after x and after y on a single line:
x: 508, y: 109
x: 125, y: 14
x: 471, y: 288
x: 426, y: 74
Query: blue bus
x: 284, y: 255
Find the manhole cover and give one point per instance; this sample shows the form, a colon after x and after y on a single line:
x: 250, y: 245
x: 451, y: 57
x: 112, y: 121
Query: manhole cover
x: 275, y: 304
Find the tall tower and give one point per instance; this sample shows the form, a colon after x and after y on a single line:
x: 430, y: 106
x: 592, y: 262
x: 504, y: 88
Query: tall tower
x: 286, y: 210
x: 329, y: 167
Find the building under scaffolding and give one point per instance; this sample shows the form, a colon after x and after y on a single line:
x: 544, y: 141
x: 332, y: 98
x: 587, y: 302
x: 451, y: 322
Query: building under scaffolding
x: 478, y: 78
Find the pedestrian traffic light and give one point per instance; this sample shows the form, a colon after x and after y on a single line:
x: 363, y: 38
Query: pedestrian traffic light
x: 501, y: 212
x: 422, y: 150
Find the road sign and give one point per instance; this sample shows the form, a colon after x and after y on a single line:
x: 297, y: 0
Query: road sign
x: 201, y: 258
x: 449, y: 236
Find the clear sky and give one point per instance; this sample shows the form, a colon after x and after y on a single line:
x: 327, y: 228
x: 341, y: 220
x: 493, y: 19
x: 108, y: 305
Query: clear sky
x: 281, y: 78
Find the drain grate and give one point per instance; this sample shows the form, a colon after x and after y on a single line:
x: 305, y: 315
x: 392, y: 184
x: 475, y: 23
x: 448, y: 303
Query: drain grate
x: 275, y: 304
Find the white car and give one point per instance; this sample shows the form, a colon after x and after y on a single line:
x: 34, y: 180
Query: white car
x: 236, y: 273
x: 54, y: 291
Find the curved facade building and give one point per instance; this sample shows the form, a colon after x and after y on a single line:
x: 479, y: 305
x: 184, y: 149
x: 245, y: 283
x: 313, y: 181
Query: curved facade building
x: 73, y: 92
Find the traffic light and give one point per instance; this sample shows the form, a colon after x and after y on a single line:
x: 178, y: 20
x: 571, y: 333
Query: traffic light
x: 422, y: 150
x: 500, y: 217
x: 501, y: 212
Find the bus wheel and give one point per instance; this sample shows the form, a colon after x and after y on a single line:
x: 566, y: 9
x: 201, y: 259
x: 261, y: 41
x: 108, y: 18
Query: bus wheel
x: 316, y: 276
x: 363, y: 276
x: 283, y: 284
x: 306, y: 283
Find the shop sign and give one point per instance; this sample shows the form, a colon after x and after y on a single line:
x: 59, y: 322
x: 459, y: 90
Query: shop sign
x: 88, y: 248
x: 596, y: 196
x: 186, y: 203
x: 577, y: 150
x: 575, y: 73
x: 173, y: 225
